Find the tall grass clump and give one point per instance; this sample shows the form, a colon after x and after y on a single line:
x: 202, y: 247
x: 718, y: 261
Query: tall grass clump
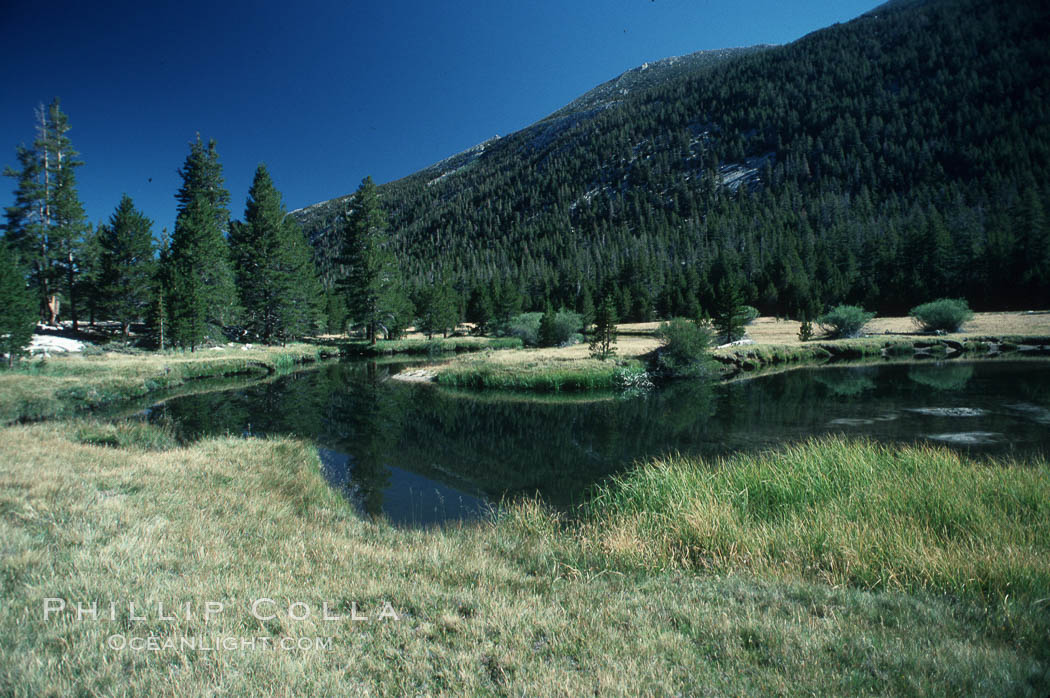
x: 541, y: 376
x: 845, y: 321
x: 129, y: 433
x: 944, y: 314
x: 839, y: 512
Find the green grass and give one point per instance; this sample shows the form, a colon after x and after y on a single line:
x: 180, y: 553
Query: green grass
x: 540, y: 375
x: 842, y: 513
x: 129, y: 433
x: 526, y: 604
x: 62, y: 386
x: 758, y: 356
x: 429, y: 346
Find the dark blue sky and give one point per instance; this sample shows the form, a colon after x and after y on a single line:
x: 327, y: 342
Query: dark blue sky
x: 327, y: 92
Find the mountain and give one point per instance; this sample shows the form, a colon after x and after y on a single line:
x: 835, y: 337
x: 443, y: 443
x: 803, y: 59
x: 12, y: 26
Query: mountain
x: 889, y: 160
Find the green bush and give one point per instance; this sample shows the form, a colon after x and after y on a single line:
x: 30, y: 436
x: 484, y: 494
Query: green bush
x: 560, y: 329
x: 845, y: 321
x: 684, y: 350
x: 748, y: 314
x: 946, y: 314
x: 525, y: 326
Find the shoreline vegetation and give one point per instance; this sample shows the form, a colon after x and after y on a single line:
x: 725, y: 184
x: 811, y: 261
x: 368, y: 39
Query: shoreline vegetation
x: 775, y: 345
x: 828, y: 567
x: 65, y: 385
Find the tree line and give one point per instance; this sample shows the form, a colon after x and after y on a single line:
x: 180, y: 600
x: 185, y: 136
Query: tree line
x: 211, y: 279
x: 896, y: 158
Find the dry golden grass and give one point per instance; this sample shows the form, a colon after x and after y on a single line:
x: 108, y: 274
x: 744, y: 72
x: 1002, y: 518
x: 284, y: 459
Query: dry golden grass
x: 511, y: 607
x: 636, y: 339
x: 770, y: 330
x: 626, y: 347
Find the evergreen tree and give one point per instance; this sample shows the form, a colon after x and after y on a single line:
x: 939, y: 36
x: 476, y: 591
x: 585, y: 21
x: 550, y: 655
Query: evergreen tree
x: 156, y: 318
x: 69, y: 223
x: 604, y: 338
x: 585, y: 307
x: 18, y: 311
x: 371, y: 284
x: 46, y: 222
x: 276, y: 278
x: 729, y: 318
x: 397, y: 310
x: 27, y: 222
x: 437, y: 310
x: 547, y: 334
x: 335, y: 311
x: 201, y: 296
x: 157, y: 324
x: 126, y: 264
x: 479, y: 310
x: 89, y: 274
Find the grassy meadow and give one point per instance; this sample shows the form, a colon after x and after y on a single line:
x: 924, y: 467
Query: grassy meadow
x: 64, y: 385
x: 830, y: 567
x: 776, y: 342
x: 747, y: 577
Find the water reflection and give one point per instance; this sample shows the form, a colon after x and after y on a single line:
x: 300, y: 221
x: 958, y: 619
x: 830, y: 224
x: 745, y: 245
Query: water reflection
x: 417, y: 454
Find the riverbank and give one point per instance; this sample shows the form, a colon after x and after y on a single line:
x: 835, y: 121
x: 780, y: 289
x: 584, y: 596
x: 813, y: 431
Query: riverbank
x: 624, y: 602
x: 770, y: 343
x: 419, y: 346
x: 64, y: 385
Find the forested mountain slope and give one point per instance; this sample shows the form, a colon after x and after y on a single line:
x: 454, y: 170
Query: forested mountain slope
x: 896, y: 158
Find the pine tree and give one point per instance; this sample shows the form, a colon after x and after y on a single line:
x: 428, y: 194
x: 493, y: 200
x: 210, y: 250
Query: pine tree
x: 371, y: 285
x: 397, y: 310
x: 27, y: 221
x: 201, y: 295
x: 89, y: 273
x: 479, y: 310
x: 126, y: 264
x: 506, y: 301
x: 157, y: 320
x: 47, y: 221
x: 585, y: 307
x: 276, y: 278
x: 18, y: 311
x: 604, y: 337
x: 437, y: 310
x: 547, y: 334
x: 189, y: 296
x: 69, y: 223
x: 729, y: 320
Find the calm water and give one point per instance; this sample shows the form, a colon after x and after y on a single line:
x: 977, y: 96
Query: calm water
x: 419, y: 455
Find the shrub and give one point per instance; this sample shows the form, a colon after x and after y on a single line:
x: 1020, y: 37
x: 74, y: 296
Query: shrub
x: 684, y: 347
x: 845, y: 321
x: 748, y: 314
x: 561, y: 328
x: 947, y: 314
x: 525, y: 326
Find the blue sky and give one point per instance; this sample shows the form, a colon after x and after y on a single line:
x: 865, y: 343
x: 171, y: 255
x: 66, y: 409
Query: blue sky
x: 327, y: 92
